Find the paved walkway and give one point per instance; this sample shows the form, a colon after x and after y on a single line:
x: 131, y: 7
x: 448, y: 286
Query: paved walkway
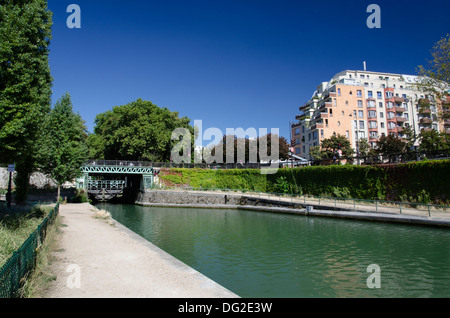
x: 110, y: 261
x: 347, y: 205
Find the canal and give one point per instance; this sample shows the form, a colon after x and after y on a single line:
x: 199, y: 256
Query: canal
x: 267, y: 255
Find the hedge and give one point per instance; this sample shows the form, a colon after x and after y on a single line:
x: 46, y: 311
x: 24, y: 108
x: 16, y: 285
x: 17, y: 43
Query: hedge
x: 425, y: 181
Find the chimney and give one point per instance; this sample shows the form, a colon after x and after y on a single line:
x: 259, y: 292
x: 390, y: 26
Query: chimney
x: 365, y: 66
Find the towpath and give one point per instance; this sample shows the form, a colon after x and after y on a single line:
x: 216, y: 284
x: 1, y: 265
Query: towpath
x: 95, y: 259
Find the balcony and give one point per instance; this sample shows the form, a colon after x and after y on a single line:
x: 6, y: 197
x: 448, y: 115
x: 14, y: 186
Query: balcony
x: 401, y: 119
x: 423, y: 102
x: 400, y: 109
x: 322, y: 116
x: 425, y: 121
x: 399, y: 99
x: 423, y: 110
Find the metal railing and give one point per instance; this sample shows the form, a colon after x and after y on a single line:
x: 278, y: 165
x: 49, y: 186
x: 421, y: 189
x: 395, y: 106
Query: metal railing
x: 23, y: 261
x: 364, y: 205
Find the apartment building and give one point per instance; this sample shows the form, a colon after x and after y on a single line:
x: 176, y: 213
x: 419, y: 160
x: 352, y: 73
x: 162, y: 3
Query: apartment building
x: 364, y: 105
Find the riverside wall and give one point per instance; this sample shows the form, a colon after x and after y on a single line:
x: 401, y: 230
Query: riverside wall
x: 174, y: 198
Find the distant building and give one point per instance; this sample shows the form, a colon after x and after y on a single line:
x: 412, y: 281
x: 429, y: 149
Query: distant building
x: 363, y: 104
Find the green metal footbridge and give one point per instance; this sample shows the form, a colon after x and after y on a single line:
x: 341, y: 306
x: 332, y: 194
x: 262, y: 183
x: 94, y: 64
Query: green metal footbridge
x: 107, y: 179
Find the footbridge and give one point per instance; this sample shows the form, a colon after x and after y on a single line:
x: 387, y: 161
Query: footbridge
x: 107, y: 179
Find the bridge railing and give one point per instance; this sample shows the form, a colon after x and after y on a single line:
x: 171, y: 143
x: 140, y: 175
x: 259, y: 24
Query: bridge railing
x: 176, y: 165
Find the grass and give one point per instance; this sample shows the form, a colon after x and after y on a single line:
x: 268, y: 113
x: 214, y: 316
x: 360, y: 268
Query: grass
x: 16, y: 227
x: 40, y: 279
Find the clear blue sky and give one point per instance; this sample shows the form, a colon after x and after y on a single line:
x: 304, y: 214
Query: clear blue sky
x: 230, y: 63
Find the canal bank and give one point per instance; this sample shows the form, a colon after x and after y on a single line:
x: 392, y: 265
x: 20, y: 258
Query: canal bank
x: 211, y: 200
x: 97, y: 259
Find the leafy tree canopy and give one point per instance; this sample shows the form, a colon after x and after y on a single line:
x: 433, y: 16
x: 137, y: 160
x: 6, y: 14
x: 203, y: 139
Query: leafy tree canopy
x: 136, y: 131
x: 332, y: 145
x: 62, y: 144
x: 25, y: 81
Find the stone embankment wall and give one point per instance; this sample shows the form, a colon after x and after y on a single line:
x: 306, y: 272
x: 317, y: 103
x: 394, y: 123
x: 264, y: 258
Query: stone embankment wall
x: 37, y: 180
x: 170, y: 197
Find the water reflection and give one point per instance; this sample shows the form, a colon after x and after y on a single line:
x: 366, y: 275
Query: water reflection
x: 258, y: 254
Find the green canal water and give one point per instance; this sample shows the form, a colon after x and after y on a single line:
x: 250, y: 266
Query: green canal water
x: 265, y: 255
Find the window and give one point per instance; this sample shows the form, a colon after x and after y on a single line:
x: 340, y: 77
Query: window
x: 338, y: 123
x: 391, y: 125
x: 297, y: 141
x: 380, y: 104
x: 361, y: 124
x: 379, y: 95
x: 372, y: 114
x: 315, y: 134
x: 373, y: 134
x: 370, y: 103
x: 390, y: 115
x: 359, y: 93
x: 297, y: 151
x: 297, y: 131
x: 360, y: 103
x: 360, y: 114
x: 370, y: 94
x: 303, y: 129
x: 347, y: 134
x: 381, y: 125
x: 389, y: 95
x: 362, y: 76
x: 339, y: 92
x: 303, y: 149
x: 389, y: 104
x: 372, y: 124
x: 354, y: 113
x: 381, y: 115
x: 321, y: 133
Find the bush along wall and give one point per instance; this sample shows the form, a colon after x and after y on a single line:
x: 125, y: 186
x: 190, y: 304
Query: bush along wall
x: 424, y: 182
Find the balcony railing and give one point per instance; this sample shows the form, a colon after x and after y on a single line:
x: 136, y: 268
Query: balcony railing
x: 425, y: 121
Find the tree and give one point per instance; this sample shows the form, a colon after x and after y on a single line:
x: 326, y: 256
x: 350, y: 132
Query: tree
x: 333, y: 146
x: 432, y: 140
x: 234, y: 144
x: 390, y: 145
x: 25, y: 83
x: 62, y: 145
x: 363, y: 146
x: 136, y: 131
x: 435, y: 78
x: 315, y: 154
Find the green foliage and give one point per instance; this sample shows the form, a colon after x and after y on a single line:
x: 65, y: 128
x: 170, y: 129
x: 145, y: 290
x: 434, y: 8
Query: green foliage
x: 80, y: 197
x: 435, y: 77
x: 282, y: 186
x: 25, y: 83
x: 136, y: 131
x: 433, y: 140
x: 421, y: 181
x: 62, y: 148
x: 332, y: 145
x: 390, y: 144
